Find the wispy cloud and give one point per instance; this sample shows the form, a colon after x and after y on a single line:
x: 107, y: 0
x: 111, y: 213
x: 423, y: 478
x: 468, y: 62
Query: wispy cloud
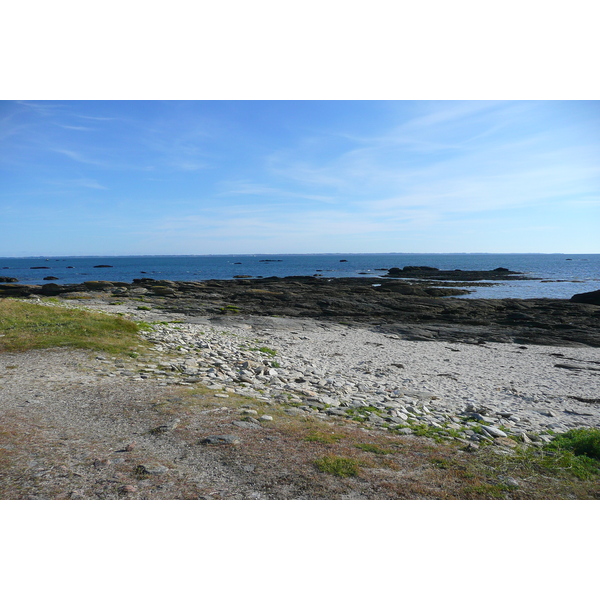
x: 80, y: 158
x: 42, y: 108
x: 97, y: 118
x: 76, y: 127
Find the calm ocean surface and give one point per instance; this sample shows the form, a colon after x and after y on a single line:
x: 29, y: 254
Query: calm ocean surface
x: 562, y: 274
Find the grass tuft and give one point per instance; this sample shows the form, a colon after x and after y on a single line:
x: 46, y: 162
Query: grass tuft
x: 337, y: 465
x: 581, y: 442
x: 373, y: 448
x: 25, y: 326
x: 324, y: 437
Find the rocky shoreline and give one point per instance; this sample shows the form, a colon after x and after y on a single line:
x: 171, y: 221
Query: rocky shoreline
x: 475, y: 391
x: 415, y: 310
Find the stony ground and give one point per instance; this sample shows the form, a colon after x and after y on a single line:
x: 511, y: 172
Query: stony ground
x: 66, y: 434
x: 244, y: 408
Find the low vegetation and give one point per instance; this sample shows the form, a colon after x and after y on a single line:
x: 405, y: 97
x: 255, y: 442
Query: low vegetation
x: 581, y: 442
x: 27, y: 326
x: 337, y: 465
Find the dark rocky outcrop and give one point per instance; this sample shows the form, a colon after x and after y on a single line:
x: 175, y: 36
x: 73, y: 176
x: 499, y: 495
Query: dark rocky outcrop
x: 98, y: 285
x: 413, y: 310
x: 587, y: 298
x: 8, y: 279
x: 16, y: 290
x: 103, y: 266
x: 499, y: 274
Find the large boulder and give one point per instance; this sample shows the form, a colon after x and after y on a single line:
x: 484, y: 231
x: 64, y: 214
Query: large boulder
x: 162, y: 290
x: 52, y: 289
x: 98, y: 285
x: 587, y: 298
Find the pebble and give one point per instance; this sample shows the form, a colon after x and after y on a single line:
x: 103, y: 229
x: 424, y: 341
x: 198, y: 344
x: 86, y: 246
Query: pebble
x: 246, y: 424
x: 170, y: 426
x: 493, y: 431
x: 151, y: 469
x: 220, y: 440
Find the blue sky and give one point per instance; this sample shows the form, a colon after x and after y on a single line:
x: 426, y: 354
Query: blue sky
x: 220, y: 177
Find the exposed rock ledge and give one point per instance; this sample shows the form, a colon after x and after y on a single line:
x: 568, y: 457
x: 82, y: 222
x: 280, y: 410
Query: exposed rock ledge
x: 414, y: 311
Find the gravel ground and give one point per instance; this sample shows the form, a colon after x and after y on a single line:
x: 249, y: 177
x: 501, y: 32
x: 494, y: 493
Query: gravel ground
x: 68, y: 431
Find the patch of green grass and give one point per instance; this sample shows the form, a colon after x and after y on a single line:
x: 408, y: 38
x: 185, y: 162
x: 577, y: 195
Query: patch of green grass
x: 373, y: 449
x: 265, y: 350
x: 362, y: 413
x: 324, y: 437
x: 550, y: 462
x: 431, y: 431
x: 564, y: 462
x: 572, y: 455
x: 144, y: 308
x: 337, y: 465
x: 581, y: 442
x: 26, y: 326
x: 487, y: 491
x: 230, y: 308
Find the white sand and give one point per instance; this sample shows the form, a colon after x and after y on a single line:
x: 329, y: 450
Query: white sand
x: 507, y: 377
x: 501, y: 377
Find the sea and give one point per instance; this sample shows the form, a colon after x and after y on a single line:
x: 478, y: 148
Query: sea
x: 553, y: 275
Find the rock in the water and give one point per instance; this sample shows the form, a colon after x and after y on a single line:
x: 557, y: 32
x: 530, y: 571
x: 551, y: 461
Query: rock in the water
x: 587, y: 298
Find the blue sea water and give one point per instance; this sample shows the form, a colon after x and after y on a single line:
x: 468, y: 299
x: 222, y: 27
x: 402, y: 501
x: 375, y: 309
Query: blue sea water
x: 560, y: 275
